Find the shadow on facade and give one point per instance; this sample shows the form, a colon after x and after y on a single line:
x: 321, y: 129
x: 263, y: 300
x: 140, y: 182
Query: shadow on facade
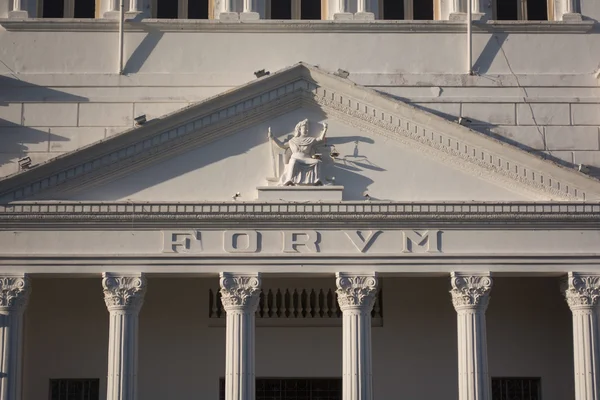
x: 17, y: 140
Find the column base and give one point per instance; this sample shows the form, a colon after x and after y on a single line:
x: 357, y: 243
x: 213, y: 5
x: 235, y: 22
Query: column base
x: 136, y: 15
x: 572, y: 17
x: 21, y: 14
x: 461, y: 16
x: 364, y: 16
x: 114, y: 14
x: 343, y: 16
x: 249, y: 16
x: 229, y: 16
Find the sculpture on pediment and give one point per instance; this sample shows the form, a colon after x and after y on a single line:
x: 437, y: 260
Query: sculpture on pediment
x: 304, y: 164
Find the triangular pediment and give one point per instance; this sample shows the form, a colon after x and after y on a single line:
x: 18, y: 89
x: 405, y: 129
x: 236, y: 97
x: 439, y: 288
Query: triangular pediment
x: 216, y: 148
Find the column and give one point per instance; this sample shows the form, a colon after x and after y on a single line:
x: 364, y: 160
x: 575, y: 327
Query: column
x: 356, y: 296
x: 14, y: 294
x: 113, y: 9
x: 582, y: 292
x: 362, y: 11
x: 570, y: 11
x: 249, y: 12
x: 470, y: 296
x: 341, y: 11
x: 17, y: 11
x: 124, y: 296
x: 240, y: 294
x: 228, y: 12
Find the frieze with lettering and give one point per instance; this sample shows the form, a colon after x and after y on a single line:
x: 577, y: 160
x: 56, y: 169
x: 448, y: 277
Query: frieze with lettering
x: 303, y: 241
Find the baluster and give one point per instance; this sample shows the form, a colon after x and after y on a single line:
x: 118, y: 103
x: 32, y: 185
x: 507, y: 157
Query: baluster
x: 270, y: 304
x: 278, y: 303
x: 321, y: 306
x: 313, y: 304
x: 304, y: 304
x: 220, y: 313
x: 329, y: 304
x: 296, y: 303
x: 336, y: 306
x: 261, y: 305
x: 375, y: 311
x: 288, y: 300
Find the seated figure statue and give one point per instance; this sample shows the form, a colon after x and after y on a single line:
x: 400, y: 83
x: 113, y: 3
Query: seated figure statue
x: 304, y: 167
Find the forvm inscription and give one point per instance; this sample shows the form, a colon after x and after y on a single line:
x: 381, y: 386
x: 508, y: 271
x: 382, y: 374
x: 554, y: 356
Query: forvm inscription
x: 302, y: 241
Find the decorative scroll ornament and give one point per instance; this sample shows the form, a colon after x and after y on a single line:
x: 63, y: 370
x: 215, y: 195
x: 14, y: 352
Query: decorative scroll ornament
x: 240, y: 292
x: 356, y: 291
x: 470, y: 291
x: 124, y: 292
x: 14, y: 292
x: 582, y: 291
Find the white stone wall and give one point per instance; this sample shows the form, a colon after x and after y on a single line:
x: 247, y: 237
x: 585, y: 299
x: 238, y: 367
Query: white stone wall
x: 535, y: 90
x: 414, y: 353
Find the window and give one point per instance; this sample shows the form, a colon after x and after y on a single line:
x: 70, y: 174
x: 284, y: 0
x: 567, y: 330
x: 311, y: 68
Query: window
x: 67, y: 8
x: 516, y: 389
x: 184, y: 9
x: 532, y: 10
x: 294, y: 9
x: 282, y: 389
x: 74, y: 389
x: 407, y: 9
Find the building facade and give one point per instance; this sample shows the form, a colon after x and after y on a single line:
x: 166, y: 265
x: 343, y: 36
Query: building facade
x: 299, y: 200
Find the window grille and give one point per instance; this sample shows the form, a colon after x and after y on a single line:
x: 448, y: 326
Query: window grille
x: 292, y: 388
x: 516, y: 389
x: 74, y: 389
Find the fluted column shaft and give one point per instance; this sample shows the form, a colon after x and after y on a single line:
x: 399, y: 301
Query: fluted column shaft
x: 361, y: 6
x: 16, y: 5
x: 582, y: 292
x: 240, y: 294
x: 356, y: 296
x: 341, y: 6
x: 470, y: 296
x: 124, y: 296
x: 14, y: 295
x: 133, y: 6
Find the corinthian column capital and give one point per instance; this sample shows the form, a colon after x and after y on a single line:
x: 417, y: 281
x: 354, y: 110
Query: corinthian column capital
x: 582, y: 290
x: 14, y: 292
x: 356, y: 291
x: 240, y: 291
x: 124, y: 292
x: 470, y: 291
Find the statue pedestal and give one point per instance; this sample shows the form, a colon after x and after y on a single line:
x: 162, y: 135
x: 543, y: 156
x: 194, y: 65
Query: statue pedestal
x: 300, y: 193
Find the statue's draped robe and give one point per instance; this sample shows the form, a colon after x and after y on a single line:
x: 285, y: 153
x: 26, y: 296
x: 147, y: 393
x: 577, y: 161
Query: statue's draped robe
x: 302, y: 169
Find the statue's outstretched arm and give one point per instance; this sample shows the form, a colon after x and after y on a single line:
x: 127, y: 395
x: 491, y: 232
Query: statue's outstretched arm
x: 276, y: 141
x: 323, y: 132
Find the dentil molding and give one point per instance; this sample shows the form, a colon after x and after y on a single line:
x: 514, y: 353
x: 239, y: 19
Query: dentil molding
x: 470, y: 291
x: 124, y: 292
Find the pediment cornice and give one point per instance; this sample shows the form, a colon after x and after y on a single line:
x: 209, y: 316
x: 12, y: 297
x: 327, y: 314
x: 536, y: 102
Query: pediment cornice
x: 285, y: 91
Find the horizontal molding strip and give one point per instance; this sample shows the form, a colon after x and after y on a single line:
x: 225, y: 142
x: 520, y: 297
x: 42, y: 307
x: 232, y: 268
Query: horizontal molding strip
x: 294, y: 26
x: 280, y: 214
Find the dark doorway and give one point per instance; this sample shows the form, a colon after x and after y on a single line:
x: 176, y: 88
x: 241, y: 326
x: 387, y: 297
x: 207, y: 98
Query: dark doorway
x: 310, y: 9
x: 53, y: 9
x: 198, y: 9
x: 281, y: 9
x: 537, y: 10
x: 167, y: 9
x: 507, y: 10
x: 423, y: 9
x: 85, y: 9
x: 393, y: 9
